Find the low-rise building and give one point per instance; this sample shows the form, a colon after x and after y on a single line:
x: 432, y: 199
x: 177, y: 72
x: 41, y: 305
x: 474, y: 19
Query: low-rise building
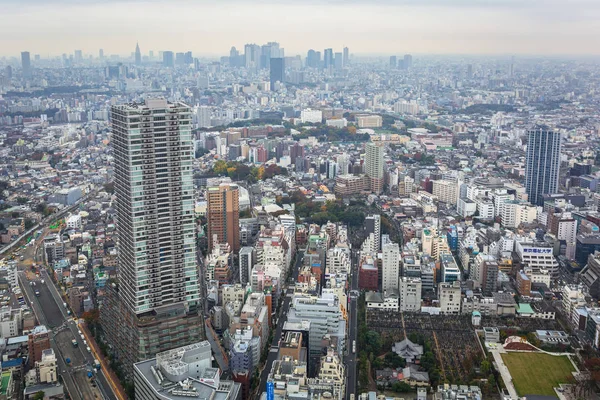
x: 182, y: 373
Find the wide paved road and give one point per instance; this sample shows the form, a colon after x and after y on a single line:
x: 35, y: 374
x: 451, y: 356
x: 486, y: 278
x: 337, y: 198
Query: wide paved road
x: 35, y: 302
x: 63, y: 331
x: 73, y: 333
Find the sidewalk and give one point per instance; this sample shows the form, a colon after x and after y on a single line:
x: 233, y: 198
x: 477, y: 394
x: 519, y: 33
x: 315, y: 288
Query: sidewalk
x: 505, y: 375
x: 108, y: 372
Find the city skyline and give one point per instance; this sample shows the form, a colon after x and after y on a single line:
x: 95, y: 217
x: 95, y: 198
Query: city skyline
x: 368, y: 28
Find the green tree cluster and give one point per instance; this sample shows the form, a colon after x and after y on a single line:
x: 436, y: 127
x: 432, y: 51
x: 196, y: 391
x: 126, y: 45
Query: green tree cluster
x: 320, y: 213
x: 325, y: 133
x: 241, y: 172
x: 402, y: 387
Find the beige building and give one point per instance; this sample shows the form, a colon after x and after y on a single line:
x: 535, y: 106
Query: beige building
x: 46, y: 368
x: 332, y: 370
x: 346, y: 185
x: 369, y: 121
x: 446, y: 191
x: 233, y: 293
x: 374, y: 166
x: 450, y: 298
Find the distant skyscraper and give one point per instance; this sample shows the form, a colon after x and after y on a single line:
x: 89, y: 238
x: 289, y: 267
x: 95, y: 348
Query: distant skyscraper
x: 252, y: 56
x: 374, y: 166
x: 511, y: 69
x: 138, y: 54
x: 313, y: 59
x: 78, y: 56
x: 393, y: 62
x: 338, y: 61
x: 470, y: 71
x: 276, y: 51
x: 407, y: 61
x: 234, y: 56
x: 156, y: 306
x: 223, y: 215
x: 151, y: 54
x: 265, y: 56
x: 328, y: 58
x: 277, y: 72
x: 168, y: 59
x: 26, y: 64
x: 101, y: 54
x: 543, y: 163
x: 346, y: 56
x: 8, y: 72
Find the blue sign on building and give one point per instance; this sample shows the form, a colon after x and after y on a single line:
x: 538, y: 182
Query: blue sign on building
x: 270, y: 391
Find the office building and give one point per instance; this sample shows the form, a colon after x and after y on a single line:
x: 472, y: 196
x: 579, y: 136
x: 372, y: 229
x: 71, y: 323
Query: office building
x: 536, y: 255
x: 313, y: 59
x: 349, y: 185
x: 513, y: 213
x: 312, y: 116
x: 346, y: 57
x: 485, y: 273
x: 223, y: 214
x: 252, y: 56
x: 326, y: 318
x: 373, y: 226
x: 26, y: 64
x: 38, y: 341
x: 446, y: 191
x: 328, y: 58
x: 184, y: 372
x: 101, y: 54
x: 542, y: 164
x: 277, y: 71
x: 368, y: 121
x: 374, y: 166
x: 390, y: 270
x: 234, y: 57
x: 408, y: 60
x: 247, y: 258
x: 138, y: 54
x: 410, y: 294
x: 338, y: 61
x: 46, y: 369
x: 78, y: 56
x: 203, y: 116
x: 157, y: 299
x: 393, y: 62
x: 450, y: 298
x: 168, y: 59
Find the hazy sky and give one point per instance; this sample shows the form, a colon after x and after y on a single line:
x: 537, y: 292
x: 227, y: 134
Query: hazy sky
x: 211, y: 27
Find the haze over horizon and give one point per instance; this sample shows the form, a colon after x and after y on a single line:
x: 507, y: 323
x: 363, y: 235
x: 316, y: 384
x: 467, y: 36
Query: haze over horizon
x: 477, y: 27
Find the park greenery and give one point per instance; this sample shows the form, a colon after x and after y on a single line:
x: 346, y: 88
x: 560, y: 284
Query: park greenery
x: 320, y: 213
x: 325, y: 133
x: 241, y: 172
x: 487, y: 108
